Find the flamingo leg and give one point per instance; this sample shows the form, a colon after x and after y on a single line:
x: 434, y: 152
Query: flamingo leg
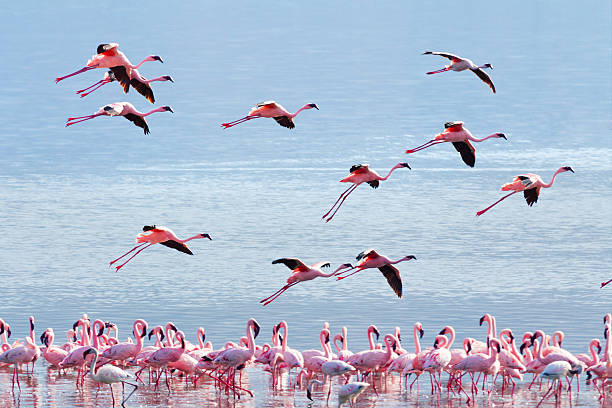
x: 273, y: 297
x: 238, y: 121
x: 128, y: 252
x: 112, y: 395
x: 345, y: 271
x: 91, y: 86
x: 341, y: 195
x: 479, y: 213
x: 84, y: 69
x: 421, y: 147
x: 438, y: 71
x: 341, y: 202
x: 81, y: 120
x: 544, y: 397
x: 605, y: 283
x: 346, y: 276
x: 128, y: 397
x: 130, y: 258
x: 104, y: 82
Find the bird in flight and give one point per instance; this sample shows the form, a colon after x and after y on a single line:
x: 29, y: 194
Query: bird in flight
x: 461, y: 64
x: 271, y: 109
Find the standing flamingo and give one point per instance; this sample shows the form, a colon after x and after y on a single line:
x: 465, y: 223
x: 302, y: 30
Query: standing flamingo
x: 162, y: 357
x: 152, y: 235
x: 350, y: 392
x: 460, y: 137
x: 135, y: 79
x: 271, y: 109
x: 109, y: 374
x: 530, y: 184
x: 300, y: 273
x: 360, y: 173
x: 109, y: 56
x: 19, y: 355
x: 53, y: 354
x: 461, y: 64
x: 371, y: 259
x: 126, y: 350
x: 125, y: 109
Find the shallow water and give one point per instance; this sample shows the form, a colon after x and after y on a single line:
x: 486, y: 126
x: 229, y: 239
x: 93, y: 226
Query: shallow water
x: 74, y: 198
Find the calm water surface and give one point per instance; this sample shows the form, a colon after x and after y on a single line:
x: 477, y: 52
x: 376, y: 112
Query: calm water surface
x: 74, y: 198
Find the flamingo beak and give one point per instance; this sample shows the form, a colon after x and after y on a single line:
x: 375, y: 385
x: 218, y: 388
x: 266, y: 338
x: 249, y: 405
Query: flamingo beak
x: 502, y: 136
x: 206, y: 236
x: 157, y: 58
x: 256, y: 328
x: 421, y: 333
x: 377, y: 334
x: 481, y: 320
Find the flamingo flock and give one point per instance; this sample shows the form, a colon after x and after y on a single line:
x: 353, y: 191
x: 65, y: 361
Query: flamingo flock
x: 493, y: 364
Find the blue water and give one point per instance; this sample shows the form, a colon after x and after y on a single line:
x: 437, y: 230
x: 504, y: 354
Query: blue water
x: 74, y: 198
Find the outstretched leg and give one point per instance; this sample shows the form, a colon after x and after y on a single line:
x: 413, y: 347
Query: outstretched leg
x: 605, y: 283
x: 81, y: 120
x: 341, y: 202
x: 424, y: 146
x: 438, y: 71
x: 346, y: 276
x: 128, y: 252
x: 270, y: 299
x: 130, y: 258
x: 74, y: 73
x: 479, y: 213
x: 102, y: 83
x: 238, y: 121
x: 128, y: 397
x: 341, y: 195
x: 91, y: 86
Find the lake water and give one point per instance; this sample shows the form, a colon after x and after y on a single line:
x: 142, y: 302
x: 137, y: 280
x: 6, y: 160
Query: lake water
x: 74, y: 198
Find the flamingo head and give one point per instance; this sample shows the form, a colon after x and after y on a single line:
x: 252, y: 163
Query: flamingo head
x: 311, y: 105
x: 44, y: 339
x: 167, y: 78
x: 409, y: 257
x: 523, y: 346
x: 88, y: 352
x: 148, y: 227
x: 154, y: 58
x: 468, y: 349
x: 167, y: 108
x: 32, y: 323
x: 487, y: 65
x: 375, y: 331
x: 567, y: 168
x: 256, y: 327
x: 206, y: 236
x: 501, y: 135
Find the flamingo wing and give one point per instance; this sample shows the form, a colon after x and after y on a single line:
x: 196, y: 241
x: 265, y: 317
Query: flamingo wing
x: 322, y: 264
x: 456, y: 123
x: 144, y: 89
x: 392, y: 274
x: 373, y: 183
x: 369, y: 253
x: 179, y: 246
x: 285, y: 121
x: 525, y: 179
x: 467, y: 152
x: 266, y: 103
x: 138, y: 121
x: 291, y: 263
x: 531, y: 195
x: 359, y: 168
x: 484, y: 77
x: 122, y: 77
x: 443, y: 54
x: 107, y: 49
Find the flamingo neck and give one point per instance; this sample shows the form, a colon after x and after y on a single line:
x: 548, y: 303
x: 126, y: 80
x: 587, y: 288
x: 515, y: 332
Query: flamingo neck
x: 336, y: 338
x: 327, y: 275
x: 199, y: 236
x: 344, y: 339
x: 283, y: 325
x: 473, y: 139
x: 417, y: 343
x: 251, y: 339
x: 92, y: 367
x: 139, y: 64
x: 397, y: 166
x: 293, y: 115
x: 139, y: 324
x: 594, y: 355
x: 161, y: 78
x: 452, y: 337
x: 371, y: 338
x: 160, y: 109
x: 200, y: 337
x: 553, y: 178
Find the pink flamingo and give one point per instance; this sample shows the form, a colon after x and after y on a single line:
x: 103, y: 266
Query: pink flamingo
x: 125, y: 109
x: 486, y: 364
x: 53, y: 354
x: 19, y: 355
x: 370, y: 361
x: 300, y: 273
x: 594, y: 357
x: 360, y: 173
x: 461, y: 64
x: 530, y: 184
x: 162, y: 357
x: 108, y: 56
x: 271, y: 109
x: 371, y: 259
x: 152, y: 235
x: 343, y: 352
x: 138, y: 82
x: 460, y: 137
x: 125, y: 350
x: 401, y: 362
x: 438, y: 359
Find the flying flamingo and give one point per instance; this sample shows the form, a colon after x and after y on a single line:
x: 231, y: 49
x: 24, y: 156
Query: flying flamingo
x: 605, y: 283
x: 300, y: 273
x: 108, y: 56
x: 152, y: 235
x: 530, y: 184
x: 460, y: 137
x: 371, y: 259
x: 461, y: 64
x: 138, y: 82
x: 109, y: 374
x: 125, y: 109
x: 360, y: 173
x: 271, y: 109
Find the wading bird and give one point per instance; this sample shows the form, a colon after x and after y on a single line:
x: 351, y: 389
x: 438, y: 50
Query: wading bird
x: 152, y: 235
x: 461, y: 64
x: 350, y: 392
x: 271, y: 109
x: 360, y: 173
x: 109, y: 374
x: 530, y: 184
x: 300, y: 273
x: 371, y: 259
x: 108, y: 56
x: 125, y: 109
x: 460, y: 137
